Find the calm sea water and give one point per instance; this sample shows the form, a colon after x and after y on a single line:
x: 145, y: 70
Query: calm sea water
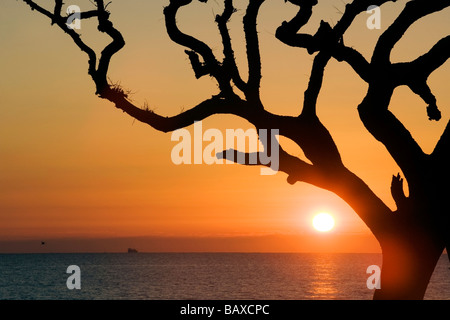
x: 220, y: 276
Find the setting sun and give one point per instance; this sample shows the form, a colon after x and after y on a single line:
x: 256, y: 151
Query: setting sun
x: 323, y: 222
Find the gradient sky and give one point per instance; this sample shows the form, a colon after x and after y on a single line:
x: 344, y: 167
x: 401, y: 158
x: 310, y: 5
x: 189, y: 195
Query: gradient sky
x: 83, y: 176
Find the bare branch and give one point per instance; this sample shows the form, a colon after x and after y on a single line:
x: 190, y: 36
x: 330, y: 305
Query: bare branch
x: 38, y: 8
x: 386, y: 128
x: 211, y: 64
x: 355, y: 59
x: 421, y: 88
x: 314, y: 139
x: 315, y: 84
x: 106, y: 26
x: 88, y: 14
x: 328, y: 41
x: 417, y: 72
x: 433, y: 59
x: 229, y: 63
x: 57, y: 10
x: 383, y: 78
x: 244, y: 158
x: 199, y: 68
x: 414, y: 10
x: 287, y: 32
x: 61, y: 22
x: 345, y: 184
x: 185, y: 40
x: 325, y: 37
x: 253, y: 53
x: 202, y: 111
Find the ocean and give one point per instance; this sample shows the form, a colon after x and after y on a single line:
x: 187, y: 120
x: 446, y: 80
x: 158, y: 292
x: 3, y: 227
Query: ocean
x: 197, y: 276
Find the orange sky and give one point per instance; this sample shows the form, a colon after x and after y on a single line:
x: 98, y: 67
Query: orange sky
x: 77, y: 172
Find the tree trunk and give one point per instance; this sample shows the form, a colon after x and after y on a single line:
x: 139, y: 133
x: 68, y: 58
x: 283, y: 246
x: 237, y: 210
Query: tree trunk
x: 408, y: 265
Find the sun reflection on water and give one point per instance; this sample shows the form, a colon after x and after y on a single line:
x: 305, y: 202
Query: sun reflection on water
x: 323, y: 279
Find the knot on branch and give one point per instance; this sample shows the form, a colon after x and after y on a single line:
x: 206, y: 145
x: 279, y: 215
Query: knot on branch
x: 291, y: 179
x: 433, y: 112
x: 104, y: 25
x: 104, y: 14
x: 324, y: 39
x: 397, y: 191
x: 287, y: 32
x: 420, y: 87
x: 200, y: 69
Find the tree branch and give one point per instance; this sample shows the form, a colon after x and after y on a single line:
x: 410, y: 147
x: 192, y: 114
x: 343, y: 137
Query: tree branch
x: 61, y: 22
x: 397, y: 192
x: 201, y: 111
x: 416, y: 74
x: 413, y: 11
x: 185, y: 40
x: 327, y: 38
x: 287, y: 32
x: 211, y: 64
x: 106, y: 26
x: 253, y: 54
x: 88, y: 14
x: 384, y: 77
x: 229, y: 62
x: 38, y: 8
x: 314, y: 139
x: 386, y: 128
x: 433, y: 59
x: 315, y: 84
x: 355, y: 59
x: 342, y: 182
x: 57, y: 10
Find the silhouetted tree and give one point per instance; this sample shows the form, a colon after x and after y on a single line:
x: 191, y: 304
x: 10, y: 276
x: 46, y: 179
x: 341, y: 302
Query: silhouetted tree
x: 413, y: 237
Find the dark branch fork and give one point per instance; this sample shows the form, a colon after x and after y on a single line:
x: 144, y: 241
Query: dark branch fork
x: 381, y: 75
x: 374, y: 109
x: 326, y: 169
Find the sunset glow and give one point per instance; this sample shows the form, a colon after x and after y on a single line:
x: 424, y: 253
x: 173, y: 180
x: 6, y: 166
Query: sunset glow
x: 81, y: 175
x: 323, y: 222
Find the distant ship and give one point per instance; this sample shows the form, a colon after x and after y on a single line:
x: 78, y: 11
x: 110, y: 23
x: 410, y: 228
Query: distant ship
x: 131, y: 250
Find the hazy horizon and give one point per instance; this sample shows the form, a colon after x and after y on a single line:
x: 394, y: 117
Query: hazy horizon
x: 244, y: 244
